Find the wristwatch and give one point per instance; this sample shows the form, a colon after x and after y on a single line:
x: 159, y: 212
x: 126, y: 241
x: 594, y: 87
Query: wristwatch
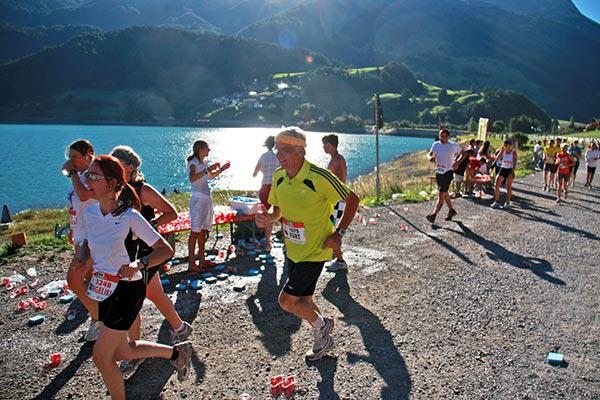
x: 145, y: 261
x: 341, y: 231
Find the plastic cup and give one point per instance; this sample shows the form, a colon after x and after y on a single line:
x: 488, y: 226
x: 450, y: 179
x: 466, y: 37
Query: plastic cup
x: 54, y: 360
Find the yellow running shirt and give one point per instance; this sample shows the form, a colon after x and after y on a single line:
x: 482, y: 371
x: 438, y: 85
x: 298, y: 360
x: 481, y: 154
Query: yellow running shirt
x: 306, y: 202
x: 551, y: 152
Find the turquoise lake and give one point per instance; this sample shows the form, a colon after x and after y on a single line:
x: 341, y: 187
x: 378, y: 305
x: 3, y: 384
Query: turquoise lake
x: 32, y: 155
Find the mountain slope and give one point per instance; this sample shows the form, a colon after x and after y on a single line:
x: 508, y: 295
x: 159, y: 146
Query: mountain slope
x: 456, y: 44
x: 139, y: 72
x: 18, y: 41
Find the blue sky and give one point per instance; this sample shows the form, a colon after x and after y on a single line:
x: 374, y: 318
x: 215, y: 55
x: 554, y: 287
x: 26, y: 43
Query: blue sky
x: 589, y: 8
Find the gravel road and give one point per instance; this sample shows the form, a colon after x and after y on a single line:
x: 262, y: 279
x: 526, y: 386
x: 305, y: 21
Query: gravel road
x: 467, y: 309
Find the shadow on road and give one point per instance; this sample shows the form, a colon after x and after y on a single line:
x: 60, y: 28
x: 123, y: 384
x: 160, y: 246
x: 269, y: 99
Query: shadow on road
x: 440, y: 242
x: 275, y: 325
x: 496, y: 252
x: 378, y: 342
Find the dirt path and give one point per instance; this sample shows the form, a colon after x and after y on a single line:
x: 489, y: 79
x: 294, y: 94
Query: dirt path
x: 467, y: 310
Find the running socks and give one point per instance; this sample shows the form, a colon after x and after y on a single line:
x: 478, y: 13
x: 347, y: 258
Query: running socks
x: 181, y: 328
x: 318, y: 323
x: 175, y: 354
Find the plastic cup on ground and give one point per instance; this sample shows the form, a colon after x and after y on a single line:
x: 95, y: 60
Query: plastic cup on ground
x: 289, y: 386
x: 277, y: 385
x: 54, y: 360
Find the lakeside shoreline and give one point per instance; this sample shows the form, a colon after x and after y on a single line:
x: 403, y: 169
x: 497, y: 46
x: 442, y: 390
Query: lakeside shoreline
x: 407, y: 132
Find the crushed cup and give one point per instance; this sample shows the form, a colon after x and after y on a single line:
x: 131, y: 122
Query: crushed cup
x: 277, y: 385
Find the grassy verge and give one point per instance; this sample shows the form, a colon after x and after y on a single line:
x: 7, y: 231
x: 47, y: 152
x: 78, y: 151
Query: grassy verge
x: 590, y: 134
x: 407, y: 178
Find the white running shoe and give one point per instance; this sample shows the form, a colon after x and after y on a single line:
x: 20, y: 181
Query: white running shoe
x: 323, y: 341
x: 495, y: 205
x: 181, y: 335
x: 183, y: 362
x: 93, y: 331
x: 336, y: 265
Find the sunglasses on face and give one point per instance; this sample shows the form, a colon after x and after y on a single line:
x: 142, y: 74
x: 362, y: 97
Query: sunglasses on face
x: 92, y: 177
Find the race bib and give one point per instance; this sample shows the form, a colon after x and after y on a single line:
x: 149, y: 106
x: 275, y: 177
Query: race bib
x: 294, y: 231
x: 440, y: 168
x: 506, y: 164
x: 561, y: 166
x: 102, y: 285
x: 72, y: 218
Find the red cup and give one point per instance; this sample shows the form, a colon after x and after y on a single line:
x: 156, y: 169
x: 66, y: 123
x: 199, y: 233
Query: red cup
x: 289, y: 386
x: 54, y: 360
x: 277, y: 385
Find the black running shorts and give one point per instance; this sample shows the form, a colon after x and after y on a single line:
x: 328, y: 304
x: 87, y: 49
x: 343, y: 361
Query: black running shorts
x: 505, y: 172
x: 550, y: 168
x: 302, y: 277
x: 119, y: 310
x: 444, y: 180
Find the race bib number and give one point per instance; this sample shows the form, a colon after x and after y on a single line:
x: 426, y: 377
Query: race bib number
x: 294, y: 231
x: 506, y: 164
x: 440, y: 168
x: 102, y: 285
x: 562, y: 166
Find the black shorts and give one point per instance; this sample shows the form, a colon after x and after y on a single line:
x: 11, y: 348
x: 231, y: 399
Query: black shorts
x: 564, y: 177
x: 505, y: 172
x: 591, y: 170
x: 302, y: 277
x: 444, y: 180
x: 150, y: 272
x: 550, y: 168
x: 121, y: 308
x: 574, y: 168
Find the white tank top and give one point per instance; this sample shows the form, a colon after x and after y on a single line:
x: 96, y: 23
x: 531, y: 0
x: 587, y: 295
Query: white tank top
x: 508, y: 160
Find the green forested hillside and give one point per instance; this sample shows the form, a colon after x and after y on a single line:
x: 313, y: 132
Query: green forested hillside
x: 523, y: 45
x: 18, y: 41
x: 329, y: 96
x: 138, y: 74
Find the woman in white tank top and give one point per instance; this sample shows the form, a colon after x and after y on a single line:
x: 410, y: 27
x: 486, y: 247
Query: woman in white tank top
x: 507, y: 160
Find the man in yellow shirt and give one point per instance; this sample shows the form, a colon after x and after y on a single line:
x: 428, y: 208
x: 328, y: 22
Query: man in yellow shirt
x: 550, y: 153
x: 303, y: 196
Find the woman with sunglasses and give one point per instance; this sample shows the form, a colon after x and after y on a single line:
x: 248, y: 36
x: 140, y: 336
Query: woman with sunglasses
x: 151, y: 201
x: 80, y: 154
x: 201, y: 206
x: 117, y: 289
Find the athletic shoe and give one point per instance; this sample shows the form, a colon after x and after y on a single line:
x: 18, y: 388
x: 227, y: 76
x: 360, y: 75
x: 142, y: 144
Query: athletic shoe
x: 183, y: 362
x: 317, y: 354
x: 321, y: 334
x: 129, y: 367
x: 336, y: 265
x: 182, y: 334
x: 323, y: 341
x: 558, y: 200
x: 545, y: 189
x: 93, y: 331
x: 566, y: 194
x: 431, y: 218
x: 506, y: 206
x: 495, y: 205
x: 451, y: 214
